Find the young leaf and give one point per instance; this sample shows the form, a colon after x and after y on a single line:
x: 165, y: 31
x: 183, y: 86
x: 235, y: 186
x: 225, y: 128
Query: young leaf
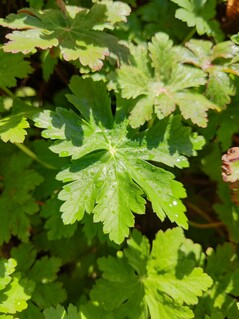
x: 159, y: 284
x: 111, y: 173
x: 160, y: 82
x: 77, y: 32
x: 218, y: 61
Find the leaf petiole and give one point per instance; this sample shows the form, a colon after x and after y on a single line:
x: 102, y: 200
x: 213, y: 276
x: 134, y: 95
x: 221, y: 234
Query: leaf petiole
x: 27, y: 151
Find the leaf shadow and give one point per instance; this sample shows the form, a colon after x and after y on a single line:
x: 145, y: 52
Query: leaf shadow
x: 72, y: 124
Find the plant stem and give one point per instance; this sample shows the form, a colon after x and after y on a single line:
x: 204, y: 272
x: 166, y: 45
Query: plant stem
x: 210, y: 225
x: 189, y: 36
x: 27, y: 151
x: 8, y: 92
x: 199, y: 211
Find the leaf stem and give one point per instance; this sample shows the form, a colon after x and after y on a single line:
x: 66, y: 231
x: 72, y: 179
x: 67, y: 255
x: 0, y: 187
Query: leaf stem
x: 8, y: 92
x: 210, y: 225
x: 199, y: 211
x: 27, y: 151
x: 189, y: 36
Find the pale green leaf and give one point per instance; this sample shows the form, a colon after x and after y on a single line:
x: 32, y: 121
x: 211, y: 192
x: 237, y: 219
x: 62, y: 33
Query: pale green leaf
x: 159, y: 82
x: 218, y: 62
x: 6, y: 269
x: 14, y: 298
x: 13, y: 128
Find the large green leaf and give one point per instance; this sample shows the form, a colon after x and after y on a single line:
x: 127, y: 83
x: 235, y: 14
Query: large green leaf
x: 112, y: 170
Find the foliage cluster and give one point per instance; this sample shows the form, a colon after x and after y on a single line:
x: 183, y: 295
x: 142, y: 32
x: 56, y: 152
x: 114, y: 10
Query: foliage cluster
x: 114, y: 116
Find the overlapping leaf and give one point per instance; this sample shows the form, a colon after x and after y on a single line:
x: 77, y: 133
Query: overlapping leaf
x: 77, y: 32
x: 199, y: 14
x: 111, y: 174
x: 16, y: 199
x: 162, y: 283
x: 219, y: 61
x: 160, y: 83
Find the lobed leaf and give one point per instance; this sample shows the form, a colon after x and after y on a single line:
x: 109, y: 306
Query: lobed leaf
x: 78, y: 32
x: 111, y: 175
x: 218, y: 61
x: 199, y: 14
x: 14, y: 291
x: 159, y: 81
x: 139, y: 284
x: 8, y: 71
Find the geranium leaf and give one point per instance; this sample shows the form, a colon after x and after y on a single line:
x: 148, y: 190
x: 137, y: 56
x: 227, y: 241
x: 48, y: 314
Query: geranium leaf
x: 110, y: 175
x: 78, y: 32
x: 144, y: 282
x: 159, y: 82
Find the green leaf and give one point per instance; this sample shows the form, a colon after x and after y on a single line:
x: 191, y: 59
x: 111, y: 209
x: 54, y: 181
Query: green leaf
x: 43, y: 272
x: 60, y: 313
x: 199, y: 14
x: 8, y: 70
x: 17, y: 201
x: 14, y: 291
x: 6, y: 269
x: 111, y: 162
x: 160, y: 82
x: 222, y: 266
x: 157, y: 284
x: 78, y: 32
x: 93, y: 310
x: 54, y: 224
x: 159, y: 16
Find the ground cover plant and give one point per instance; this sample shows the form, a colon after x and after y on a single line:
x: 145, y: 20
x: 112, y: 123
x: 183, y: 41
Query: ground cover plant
x: 119, y: 157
